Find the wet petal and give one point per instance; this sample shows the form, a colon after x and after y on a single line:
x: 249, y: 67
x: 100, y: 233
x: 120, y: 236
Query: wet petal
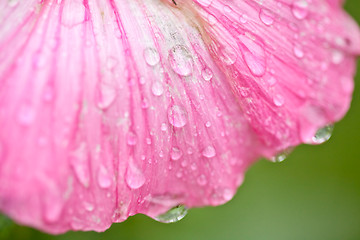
x: 108, y: 110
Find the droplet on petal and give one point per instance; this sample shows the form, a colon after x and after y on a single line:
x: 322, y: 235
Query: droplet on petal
x: 323, y: 134
x: 173, y: 215
x: 209, y: 152
x: 176, y: 154
x: 177, y: 116
x: 280, y: 157
x: 151, y: 56
x: 134, y: 177
x: 266, y: 16
x: 180, y: 60
x: 300, y: 9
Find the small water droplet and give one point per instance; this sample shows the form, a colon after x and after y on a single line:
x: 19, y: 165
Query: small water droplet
x: 173, y: 215
x: 157, y: 88
x: 208, y: 124
x: 181, y: 60
x: 131, y: 138
x: 254, y: 55
x: 177, y: 116
x: 104, y: 179
x: 323, y: 134
x: 89, y: 207
x: 279, y: 100
x: 134, y: 177
x: 176, y: 154
x: 337, y: 57
x: 151, y: 56
x: 209, y: 152
x: 266, y: 16
x: 228, y: 55
x: 106, y: 96
x: 207, y: 74
x: 201, y: 180
x: 300, y: 9
x: 298, y: 52
x: 163, y: 127
x: 281, y: 156
x: 205, y: 3
x: 80, y: 163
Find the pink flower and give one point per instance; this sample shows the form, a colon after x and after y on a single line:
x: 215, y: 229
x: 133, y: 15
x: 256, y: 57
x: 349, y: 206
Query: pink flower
x: 113, y: 108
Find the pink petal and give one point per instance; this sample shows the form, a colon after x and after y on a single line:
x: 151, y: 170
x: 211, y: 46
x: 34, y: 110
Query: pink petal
x: 111, y: 109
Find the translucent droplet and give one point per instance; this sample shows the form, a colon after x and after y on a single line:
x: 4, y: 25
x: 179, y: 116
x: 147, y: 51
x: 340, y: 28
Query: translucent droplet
x: 106, y: 96
x: 80, y: 163
x: 173, y: 215
x: 104, y: 179
x: 181, y: 60
x: 176, y: 154
x: 298, y: 52
x: 281, y: 156
x: 157, y: 88
x: 205, y: 3
x: 209, y: 152
x: 323, y: 134
x: 207, y: 74
x: 201, y: 180
x: 134, y: 177
x: 131, y: 138
x: 177, y: 116
x: 89, y: 207
x: 300, y: 9
x: 266, y: 16
x: 228, y: 55
x: 151, y: 56
x: 279, y: 100
x: 254, y: 55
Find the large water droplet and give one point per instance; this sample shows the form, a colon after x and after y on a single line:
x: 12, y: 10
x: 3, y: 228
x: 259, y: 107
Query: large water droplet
x: 157, y: 88
x: 151, y: 56
x: 173, y: 215
x: 181, y: 60
x: 131, y: 138
x: 104, y: 179
x: 80, y: 163
x: 300, y: 9
x: 254, y: 55
x: 134, y: 177
x: 323, y: 134
x: 266, y: 16
x: 177, y: 116
x: 209, y: 152
x: 176, y: 154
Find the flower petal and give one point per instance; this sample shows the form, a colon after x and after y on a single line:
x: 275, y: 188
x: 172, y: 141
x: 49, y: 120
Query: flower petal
x: 113, y: 108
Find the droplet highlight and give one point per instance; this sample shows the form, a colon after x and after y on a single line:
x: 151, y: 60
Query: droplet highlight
x: 173, y: 215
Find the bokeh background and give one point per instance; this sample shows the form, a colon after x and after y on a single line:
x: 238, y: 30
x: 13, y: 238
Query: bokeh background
x: 313, y: 194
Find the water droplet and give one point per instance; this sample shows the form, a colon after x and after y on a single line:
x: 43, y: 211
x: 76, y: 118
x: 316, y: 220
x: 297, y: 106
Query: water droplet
x: 205, y: 3
x: 337, y: 57
x: 173, y: 215
x: 298, y: 52
x: 177, y: 116
x: 131, y: 139
x: 176, y: 154
x: 151, y: 56
x: 254, y: 55
x: 148, y: 141
x: 279, y: 100
x: 89, y: 207
x: 281, y: 156
x: 244, y: 18
x: 323, y: 134
x: 157, y: 88
x: 201, y: 180
x: 181, y: 60
x: 80, y: 163
x: 207, y: 74
x: 228, y: 55
x: 209, y: 152
x: 163, y: 127
x: 134, y: 177
x: 104, y: 179
x: 106, y: 96
x: 266, y: 16
x: 300, y: 9
x: 26, y: 115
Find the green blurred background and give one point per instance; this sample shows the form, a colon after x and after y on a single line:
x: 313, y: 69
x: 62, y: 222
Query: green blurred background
x: 314, y: 194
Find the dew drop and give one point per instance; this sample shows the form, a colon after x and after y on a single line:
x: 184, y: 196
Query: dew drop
x: 173, y: 215
x: 151, y: 56
x: 134, y: 177
x: 254, y: 55
x: 323, y: 134
x: 266, y: 16
x: 131, y: 138
x: 79, y: 162
x: 205, y: 3
x: 106, y: 96
x: 176, y: 154
x: 177, y: 116
x: 300, y: 9
x: 279, y: 100
x: 228, y: 55
x: 201, y: 180
x: 207, y: 74
x: 181, y: 60
x: 209, y: 152
x: 298, y: 52
x: 157, y: 88
x: 89, y: 207
x: 281, y: 156
x: 104, y: 179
